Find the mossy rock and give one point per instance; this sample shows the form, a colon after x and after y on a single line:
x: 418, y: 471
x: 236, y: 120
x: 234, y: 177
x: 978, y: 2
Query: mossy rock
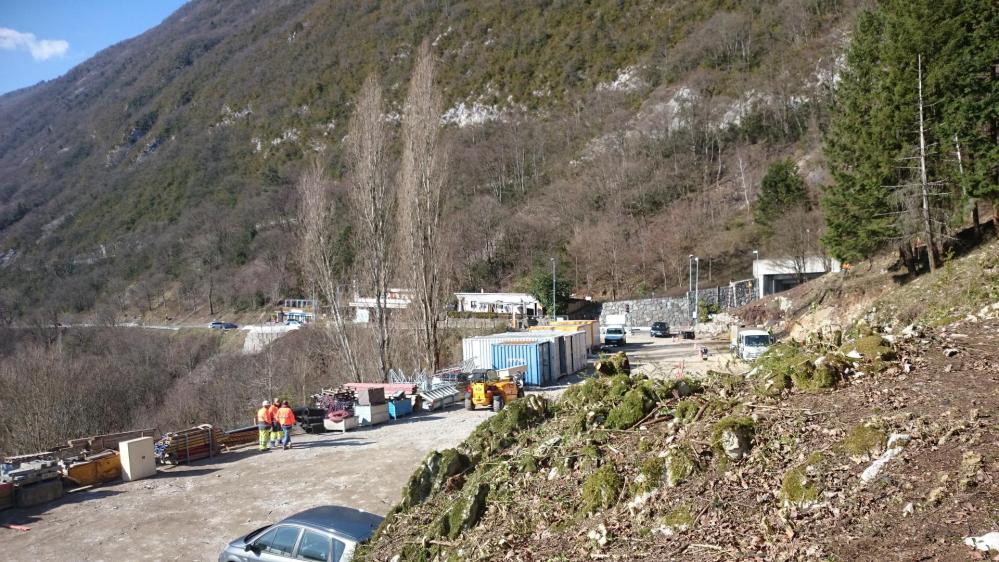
x: 733, y: 436
x: 802, y: 485
x: 821, y: 375
x: 873, y: 348
x: 681, y: 463
x: 687, y: 386
x: 421, y: 482
x: 686, y: 410
x: 527, y: 463
x: 501, y: 430
x: 774, y: 370
x: 601, y: 489
x: 467, y: 511
x: 415, y: 552
x: 621, y: 363
x: 619, y: 386
x: 863, y: 441
x: 616, y: 364
x: 590, y: 456
x: 633, y: 407
x: 585, y: 394
x: 680, y: 518
x: 649, y: 476
x: 729, y: 382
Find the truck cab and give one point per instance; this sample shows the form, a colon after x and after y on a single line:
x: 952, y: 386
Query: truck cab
x: 751, y: 344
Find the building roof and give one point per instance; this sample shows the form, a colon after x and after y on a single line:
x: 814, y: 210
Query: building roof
x: 784, y: 266
x: 514, y: 297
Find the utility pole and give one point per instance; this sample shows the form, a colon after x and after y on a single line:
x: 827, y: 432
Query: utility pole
x: 927, y: 227
x: 553, y: 289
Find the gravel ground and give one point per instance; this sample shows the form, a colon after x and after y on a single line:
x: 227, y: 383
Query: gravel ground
x: 191, y: 512
x: 662, y: 357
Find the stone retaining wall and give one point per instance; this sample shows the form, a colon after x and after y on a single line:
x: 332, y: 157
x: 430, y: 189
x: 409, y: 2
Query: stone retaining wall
x: 677, y: 311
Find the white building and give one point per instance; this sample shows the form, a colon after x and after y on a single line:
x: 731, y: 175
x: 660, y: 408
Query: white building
x: 395, y: 299
x: 504, y: 303
x: 777, y: 275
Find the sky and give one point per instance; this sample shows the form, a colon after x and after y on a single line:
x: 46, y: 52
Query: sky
x: 43, y: 39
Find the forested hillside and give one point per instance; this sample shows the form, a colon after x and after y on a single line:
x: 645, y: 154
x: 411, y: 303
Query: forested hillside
x: 619, y: 136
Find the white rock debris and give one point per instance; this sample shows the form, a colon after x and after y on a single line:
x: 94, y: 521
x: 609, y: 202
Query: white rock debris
x: 627, y: 80
x: 987, y: 542
x: 474, y: 113
x: 896, y: 443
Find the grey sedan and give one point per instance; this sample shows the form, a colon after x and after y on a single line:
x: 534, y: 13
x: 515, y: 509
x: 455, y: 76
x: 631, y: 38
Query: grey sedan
x: 321, y: 534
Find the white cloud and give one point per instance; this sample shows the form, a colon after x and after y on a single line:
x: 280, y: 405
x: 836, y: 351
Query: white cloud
x: 40, y: 49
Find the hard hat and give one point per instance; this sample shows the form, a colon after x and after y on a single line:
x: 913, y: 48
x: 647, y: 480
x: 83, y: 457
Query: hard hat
x: 266, y: 403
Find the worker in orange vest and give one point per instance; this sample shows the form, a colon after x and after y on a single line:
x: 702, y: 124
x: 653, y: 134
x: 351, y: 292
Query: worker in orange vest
x: 264, y: 419
x: 275, y: 426
x: 286, y: 418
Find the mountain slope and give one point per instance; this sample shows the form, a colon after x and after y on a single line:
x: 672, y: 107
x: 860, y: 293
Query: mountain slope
x: 163, y: 166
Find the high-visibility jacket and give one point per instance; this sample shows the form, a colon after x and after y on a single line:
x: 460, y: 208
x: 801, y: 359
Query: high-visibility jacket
x: 285, y: 416
x: 264, y: 416
x: 273, y: 412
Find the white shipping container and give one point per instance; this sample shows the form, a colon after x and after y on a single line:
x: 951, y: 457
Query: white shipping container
x: 479, y: 349
x: 575, y: 349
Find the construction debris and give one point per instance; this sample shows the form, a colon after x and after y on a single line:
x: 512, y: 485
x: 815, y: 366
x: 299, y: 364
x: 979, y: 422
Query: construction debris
x: 188, y: 445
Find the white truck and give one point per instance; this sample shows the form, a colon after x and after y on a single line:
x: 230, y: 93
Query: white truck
x: 614, y: 329
x: 749, y: 344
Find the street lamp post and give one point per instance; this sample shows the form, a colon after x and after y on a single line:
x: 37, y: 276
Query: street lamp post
x: 756, y: 258
x: 553, y: 289
x: 690, y: 282
x: 697, y: 283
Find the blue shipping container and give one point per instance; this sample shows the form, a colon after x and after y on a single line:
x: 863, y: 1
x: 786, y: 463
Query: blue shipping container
x: 534, y: 354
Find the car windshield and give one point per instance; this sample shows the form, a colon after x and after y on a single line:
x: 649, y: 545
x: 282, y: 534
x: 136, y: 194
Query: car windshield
x: 616, y: 331
x: 757, y: 341
x: 659, y: 325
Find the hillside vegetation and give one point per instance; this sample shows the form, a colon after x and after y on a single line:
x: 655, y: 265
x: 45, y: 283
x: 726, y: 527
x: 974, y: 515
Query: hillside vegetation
x: 156, y: 178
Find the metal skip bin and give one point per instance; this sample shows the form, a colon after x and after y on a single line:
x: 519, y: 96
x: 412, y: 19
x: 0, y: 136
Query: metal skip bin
x: 534, y: 354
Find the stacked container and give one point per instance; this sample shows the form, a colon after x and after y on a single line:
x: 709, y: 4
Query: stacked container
x: 566, y: 353
x: 534, y: 354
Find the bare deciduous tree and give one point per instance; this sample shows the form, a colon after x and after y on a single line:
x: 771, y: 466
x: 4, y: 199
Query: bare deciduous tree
x: 372, y: 199
x: 320, y: 253
x: 423, y: 196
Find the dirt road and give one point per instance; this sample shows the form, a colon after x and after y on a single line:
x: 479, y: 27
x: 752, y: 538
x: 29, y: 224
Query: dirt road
x: 191, y: 512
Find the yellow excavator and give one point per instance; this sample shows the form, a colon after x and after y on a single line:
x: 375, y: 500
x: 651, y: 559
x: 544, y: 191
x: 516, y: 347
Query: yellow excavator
x: 494, y: 389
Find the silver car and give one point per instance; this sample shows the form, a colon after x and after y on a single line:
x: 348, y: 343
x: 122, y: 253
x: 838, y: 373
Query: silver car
x: 321, y: 534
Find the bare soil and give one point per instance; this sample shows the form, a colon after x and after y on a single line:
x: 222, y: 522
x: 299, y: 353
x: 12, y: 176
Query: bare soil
x: 192, y: 512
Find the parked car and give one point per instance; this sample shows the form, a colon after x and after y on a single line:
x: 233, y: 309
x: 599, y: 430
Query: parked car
x: 659, y: 330
x: 322, y: 534
x: 297, y: 323
x: 216, y: 325
x: 615, y: 335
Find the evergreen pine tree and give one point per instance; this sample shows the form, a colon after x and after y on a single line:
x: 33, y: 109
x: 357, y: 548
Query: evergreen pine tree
x: 861, y: 151
x: 781, y: 190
